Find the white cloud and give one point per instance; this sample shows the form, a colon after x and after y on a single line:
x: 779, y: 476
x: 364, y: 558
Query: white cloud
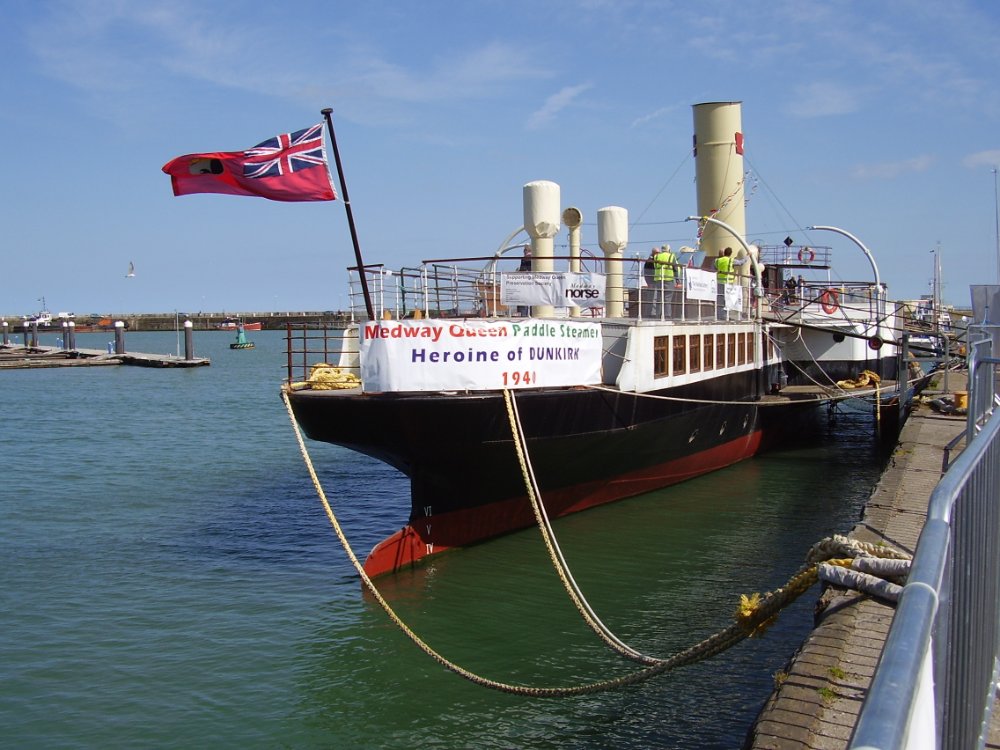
x: 823, y: 99
x: 555, y: 104
x: 97, y: 46
x: 982, y: 159
x: 655, y: 115
x: 892, y: 170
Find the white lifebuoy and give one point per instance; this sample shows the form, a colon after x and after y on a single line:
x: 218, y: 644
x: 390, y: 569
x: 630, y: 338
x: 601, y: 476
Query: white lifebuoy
x: 807, y: 255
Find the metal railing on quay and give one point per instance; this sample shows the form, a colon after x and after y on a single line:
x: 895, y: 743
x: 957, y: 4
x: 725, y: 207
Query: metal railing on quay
x: 936, y: 681
x: 982, y: 377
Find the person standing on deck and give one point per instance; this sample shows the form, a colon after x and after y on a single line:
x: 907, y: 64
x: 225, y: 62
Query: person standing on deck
x: 665, y: 276
x: 725, y: 269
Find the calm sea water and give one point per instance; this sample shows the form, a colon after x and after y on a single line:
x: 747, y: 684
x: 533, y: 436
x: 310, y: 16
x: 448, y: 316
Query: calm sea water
x: 169, y: 579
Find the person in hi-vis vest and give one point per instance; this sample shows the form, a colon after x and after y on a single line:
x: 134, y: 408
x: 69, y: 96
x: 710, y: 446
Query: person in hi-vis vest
x: 725, y: 270
x: 666, y: 276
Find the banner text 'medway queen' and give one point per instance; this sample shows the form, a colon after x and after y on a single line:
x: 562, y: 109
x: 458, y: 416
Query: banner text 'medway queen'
x: 465, y: 329
x: 476, y: 354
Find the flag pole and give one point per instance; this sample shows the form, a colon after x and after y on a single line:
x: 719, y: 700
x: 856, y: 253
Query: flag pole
x: 350, y: 216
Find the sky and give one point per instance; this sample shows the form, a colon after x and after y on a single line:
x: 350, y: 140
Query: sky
x: 881, y: 118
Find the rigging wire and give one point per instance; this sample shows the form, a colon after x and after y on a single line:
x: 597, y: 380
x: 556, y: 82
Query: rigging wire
x: 684, y: 161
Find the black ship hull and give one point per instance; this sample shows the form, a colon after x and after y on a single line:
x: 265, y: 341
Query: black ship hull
x: 586, y: 446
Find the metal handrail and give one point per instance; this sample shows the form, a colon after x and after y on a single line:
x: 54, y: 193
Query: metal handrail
x: 938, y: 670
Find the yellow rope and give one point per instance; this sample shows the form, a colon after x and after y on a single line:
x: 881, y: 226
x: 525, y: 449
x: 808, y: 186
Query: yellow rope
x: 555, y: 554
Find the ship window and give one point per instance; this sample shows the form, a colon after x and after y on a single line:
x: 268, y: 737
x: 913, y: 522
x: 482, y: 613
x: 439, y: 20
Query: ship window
x: 709, y: 351
x: 680, y: 344
x: 741, y: 346
x: 749, y: 347
x: 731, y: 359
x: 694, y: 354
x: 660, y: 356
x: 720, y: 351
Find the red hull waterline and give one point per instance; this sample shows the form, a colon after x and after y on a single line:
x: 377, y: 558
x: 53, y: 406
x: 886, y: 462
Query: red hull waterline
x: 436, y: 534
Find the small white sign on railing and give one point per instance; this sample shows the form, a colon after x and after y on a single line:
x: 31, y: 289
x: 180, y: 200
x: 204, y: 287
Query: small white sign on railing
x: 556, y: 289
x: 699, y: 284
x: 478, y: 355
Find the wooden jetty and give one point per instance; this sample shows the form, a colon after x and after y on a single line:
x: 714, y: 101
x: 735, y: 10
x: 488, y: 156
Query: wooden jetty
x: 816, y: 702
x: 33, y: 357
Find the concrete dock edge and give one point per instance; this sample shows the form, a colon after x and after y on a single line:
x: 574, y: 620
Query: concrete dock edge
x: 818, y: 696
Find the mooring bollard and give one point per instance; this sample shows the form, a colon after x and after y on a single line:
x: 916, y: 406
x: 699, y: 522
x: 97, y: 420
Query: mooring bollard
x: 119, y: 337
x: 65, y: 336
x: 72, y: 336
x: 188, y: 340
x: 6, y: 338
x: 34, y: 334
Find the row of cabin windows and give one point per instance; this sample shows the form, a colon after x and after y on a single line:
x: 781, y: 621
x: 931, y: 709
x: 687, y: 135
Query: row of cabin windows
x: 704, y: 351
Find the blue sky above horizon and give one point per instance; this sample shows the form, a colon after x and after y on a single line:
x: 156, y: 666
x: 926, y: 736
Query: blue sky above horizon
x: 881, y: 118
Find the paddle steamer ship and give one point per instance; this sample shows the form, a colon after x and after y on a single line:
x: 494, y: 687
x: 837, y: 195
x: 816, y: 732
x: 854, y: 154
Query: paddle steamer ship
x: 614, y: 394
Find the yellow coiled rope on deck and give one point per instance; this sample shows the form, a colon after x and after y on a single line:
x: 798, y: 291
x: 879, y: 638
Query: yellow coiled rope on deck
x: 865, y: 378
x: 324, y: 377
x: 752, y: 617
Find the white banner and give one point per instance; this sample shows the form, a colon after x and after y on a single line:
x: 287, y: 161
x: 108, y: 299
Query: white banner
x: 478, y: 355
x: 556, y: 289
x: 699, y: 284
x: 734, y: 297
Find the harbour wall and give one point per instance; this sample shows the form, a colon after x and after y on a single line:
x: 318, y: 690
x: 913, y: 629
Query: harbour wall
x: 200, y: 321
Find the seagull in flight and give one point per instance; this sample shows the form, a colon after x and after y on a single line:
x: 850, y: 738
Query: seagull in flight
x: 131, y: 270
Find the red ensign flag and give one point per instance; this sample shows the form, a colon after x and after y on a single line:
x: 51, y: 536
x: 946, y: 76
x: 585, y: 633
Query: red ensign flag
x: 288, y: 167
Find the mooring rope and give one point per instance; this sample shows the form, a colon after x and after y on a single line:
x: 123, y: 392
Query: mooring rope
x: 552, y: 545
x: 752, y: 617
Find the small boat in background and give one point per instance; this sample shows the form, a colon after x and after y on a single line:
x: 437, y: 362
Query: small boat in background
x: 241, y: 339
x: 231, y: 324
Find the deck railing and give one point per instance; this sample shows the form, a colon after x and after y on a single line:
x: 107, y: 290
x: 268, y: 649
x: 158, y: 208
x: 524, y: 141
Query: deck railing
x: 935, y: 684
x: 309, y: 344
x: 470, y: 287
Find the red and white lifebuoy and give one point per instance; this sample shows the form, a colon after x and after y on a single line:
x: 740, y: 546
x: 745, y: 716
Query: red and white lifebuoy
x: 829, y: 300
x: 807, y: 255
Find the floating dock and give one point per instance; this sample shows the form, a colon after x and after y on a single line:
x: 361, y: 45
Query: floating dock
x: 34, y: 357
x: 818, y: 697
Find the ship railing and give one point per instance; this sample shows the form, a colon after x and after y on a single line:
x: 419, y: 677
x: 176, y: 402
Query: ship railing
x: 937, y: 677
x: 471, y: 287
x: 811, y: 300
x: 796, y: 257
x: 320, y: 343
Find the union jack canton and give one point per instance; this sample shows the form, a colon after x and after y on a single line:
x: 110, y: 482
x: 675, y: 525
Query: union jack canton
x: 286, y: 153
